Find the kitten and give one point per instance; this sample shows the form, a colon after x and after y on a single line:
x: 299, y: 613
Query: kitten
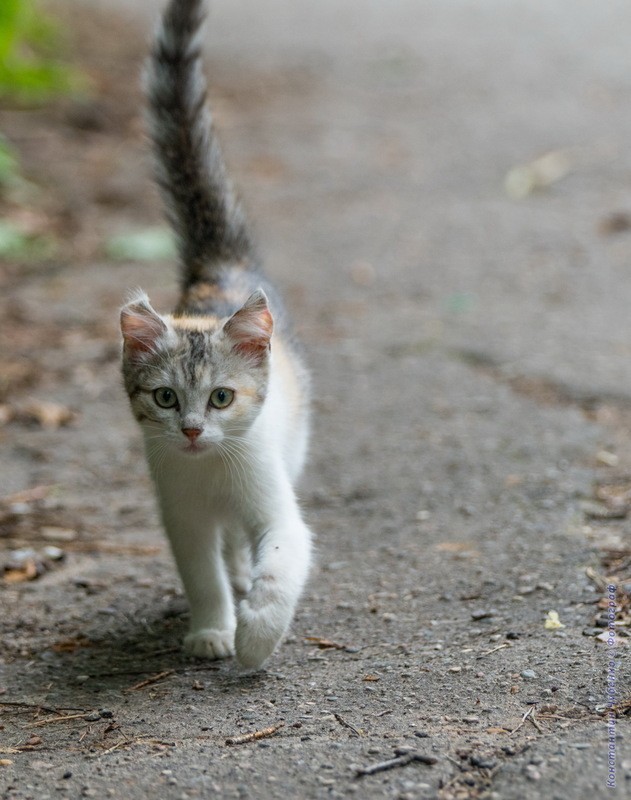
x: 218, y: 387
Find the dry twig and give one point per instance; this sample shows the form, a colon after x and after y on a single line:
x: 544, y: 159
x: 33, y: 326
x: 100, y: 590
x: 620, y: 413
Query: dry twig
x: 149, y: 681
x: 255, y: 735
x: 533, y: 719
x: 38, y: 707
x: 346, y: 724
x: 401, y: 760
x: 523, y: 720
x: 494, y: 650
x: 51, y: 720
x: 325, y: 644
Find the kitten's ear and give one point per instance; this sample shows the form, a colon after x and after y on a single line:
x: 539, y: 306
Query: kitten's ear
x: 141, y: 327
x: 250, y: 328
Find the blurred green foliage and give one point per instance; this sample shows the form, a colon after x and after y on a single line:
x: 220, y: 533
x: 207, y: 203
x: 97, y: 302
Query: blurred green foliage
x: 29, y: 43
x: 15, y: 242
x: 9, y: 166
x: 146, y: 244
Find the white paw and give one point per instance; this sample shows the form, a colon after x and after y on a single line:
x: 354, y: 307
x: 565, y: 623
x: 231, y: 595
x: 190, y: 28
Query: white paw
x: 210, y: 643
x: 262, y: 619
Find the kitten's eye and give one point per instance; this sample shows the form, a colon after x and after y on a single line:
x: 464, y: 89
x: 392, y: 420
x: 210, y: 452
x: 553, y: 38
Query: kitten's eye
x: 221, y: 398
x: 165, y: 397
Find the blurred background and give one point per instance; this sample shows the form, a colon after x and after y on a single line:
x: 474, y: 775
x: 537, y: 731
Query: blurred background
x: 470, y: 156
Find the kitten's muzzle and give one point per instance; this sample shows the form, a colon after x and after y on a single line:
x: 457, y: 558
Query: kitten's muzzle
x: 192, y: 434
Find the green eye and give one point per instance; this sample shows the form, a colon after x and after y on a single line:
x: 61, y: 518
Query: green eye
x: 165, y: 397
x: 221, y: 398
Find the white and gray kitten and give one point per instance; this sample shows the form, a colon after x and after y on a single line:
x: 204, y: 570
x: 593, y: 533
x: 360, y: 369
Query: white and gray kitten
x: 217, y: 387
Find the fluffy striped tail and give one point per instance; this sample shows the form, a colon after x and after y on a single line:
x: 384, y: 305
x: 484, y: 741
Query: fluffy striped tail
x: 201, y: 205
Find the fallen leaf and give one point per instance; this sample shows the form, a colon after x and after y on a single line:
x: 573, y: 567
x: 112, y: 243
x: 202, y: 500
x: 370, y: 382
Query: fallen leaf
x: 54, y: 534
x: 26, y: 572
x: 607, y: 458
x: 453, y: 547
x: 553, y: 622
x: 48, y: 415
x: 549, y: 168
x: 324, y: 644
x: 71, y: 645
x: 32, y: 743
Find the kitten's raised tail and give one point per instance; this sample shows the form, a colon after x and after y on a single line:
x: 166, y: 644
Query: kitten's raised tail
x: 207, y: 218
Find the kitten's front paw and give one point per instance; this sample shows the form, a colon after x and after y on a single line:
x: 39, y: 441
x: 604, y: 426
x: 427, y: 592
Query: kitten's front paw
x: 210, y: 643
x: 262, y: 619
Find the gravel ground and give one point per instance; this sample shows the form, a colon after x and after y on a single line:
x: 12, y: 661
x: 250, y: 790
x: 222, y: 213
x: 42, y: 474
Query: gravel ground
x: 464, y: 305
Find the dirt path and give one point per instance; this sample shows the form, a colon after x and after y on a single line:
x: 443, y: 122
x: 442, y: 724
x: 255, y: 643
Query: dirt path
x: 471, y: 456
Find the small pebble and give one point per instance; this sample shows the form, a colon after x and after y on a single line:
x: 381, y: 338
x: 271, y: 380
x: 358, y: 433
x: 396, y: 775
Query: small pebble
x: 532, y: 773
x: 82, y: 678
x: 54, y: 553
x: 528, y: 674
x: 482, y: 763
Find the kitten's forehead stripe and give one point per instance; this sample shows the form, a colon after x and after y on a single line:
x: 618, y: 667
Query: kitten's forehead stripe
x: 198, y: 356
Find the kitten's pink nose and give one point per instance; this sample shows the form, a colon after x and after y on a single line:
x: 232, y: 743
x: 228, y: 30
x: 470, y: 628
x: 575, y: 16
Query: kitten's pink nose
x: 191, y: 433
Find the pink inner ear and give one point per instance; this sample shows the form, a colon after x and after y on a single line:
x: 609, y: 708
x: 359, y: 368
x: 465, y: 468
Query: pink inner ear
x: 251, y: 327
x: 141, y: 328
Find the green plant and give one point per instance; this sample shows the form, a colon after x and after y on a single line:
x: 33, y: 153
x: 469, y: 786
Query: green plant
x: 29, y: 40
x: 9, y: 166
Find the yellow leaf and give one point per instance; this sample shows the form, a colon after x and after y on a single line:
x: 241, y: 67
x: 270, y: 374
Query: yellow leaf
x: 553, y: 622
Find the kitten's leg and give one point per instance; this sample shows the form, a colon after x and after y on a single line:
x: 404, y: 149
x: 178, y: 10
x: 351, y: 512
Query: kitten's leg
x: 200, y: 563
x: 238, y: 553
x: 283, y: 555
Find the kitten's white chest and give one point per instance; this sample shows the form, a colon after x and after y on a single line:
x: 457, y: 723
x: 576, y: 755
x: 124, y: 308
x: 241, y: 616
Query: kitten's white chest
x: 214, y: 487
